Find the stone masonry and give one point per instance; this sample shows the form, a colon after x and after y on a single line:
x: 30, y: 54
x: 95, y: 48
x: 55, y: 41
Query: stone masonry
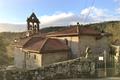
x: 75, y: 68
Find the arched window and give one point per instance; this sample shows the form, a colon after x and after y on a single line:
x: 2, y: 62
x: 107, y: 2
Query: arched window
x: 31, y: 24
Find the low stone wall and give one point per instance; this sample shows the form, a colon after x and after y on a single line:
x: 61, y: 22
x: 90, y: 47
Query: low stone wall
x: 76, y: 68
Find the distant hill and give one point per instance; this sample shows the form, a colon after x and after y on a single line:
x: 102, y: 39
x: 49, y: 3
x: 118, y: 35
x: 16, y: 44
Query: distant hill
x: 6, y: 27
x: 6, y: 49
x: 52, y: 28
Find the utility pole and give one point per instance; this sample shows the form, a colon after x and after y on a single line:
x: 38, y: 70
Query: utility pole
x: 78, y: 31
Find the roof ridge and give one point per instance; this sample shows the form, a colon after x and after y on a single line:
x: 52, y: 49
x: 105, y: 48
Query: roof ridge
x: 43, y: 44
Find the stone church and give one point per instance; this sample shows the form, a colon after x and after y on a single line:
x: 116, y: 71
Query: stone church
x: 39, y: 49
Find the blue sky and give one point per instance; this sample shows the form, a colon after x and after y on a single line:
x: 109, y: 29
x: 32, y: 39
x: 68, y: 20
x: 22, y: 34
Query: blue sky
x: 59, y: 12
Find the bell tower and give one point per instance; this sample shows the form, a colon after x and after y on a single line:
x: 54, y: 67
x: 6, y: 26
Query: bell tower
x: 33, y: 24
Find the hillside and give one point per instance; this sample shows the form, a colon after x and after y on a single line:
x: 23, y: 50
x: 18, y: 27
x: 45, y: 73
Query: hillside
x: 6, y: 48
x: 111, y: 27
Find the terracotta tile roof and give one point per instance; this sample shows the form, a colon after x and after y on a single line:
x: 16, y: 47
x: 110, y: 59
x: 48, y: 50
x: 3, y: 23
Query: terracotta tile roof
x: 54, y: 45
x: 89, y: 31
x: 35, y: 43
x: 73, y: 31
x: 21, y: 41
x: 45, y: 45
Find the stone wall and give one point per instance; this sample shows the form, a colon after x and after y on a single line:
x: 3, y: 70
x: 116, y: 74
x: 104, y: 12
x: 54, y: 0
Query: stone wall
x: 19, y: 58
x: 33, y: 60
x: 97, y: 46
x: 76, y: 68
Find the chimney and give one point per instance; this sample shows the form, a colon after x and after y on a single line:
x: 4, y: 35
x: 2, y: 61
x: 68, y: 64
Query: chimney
x: 78, y: 27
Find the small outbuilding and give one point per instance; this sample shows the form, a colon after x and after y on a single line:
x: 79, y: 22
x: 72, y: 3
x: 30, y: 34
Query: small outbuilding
x: 39, y: 51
